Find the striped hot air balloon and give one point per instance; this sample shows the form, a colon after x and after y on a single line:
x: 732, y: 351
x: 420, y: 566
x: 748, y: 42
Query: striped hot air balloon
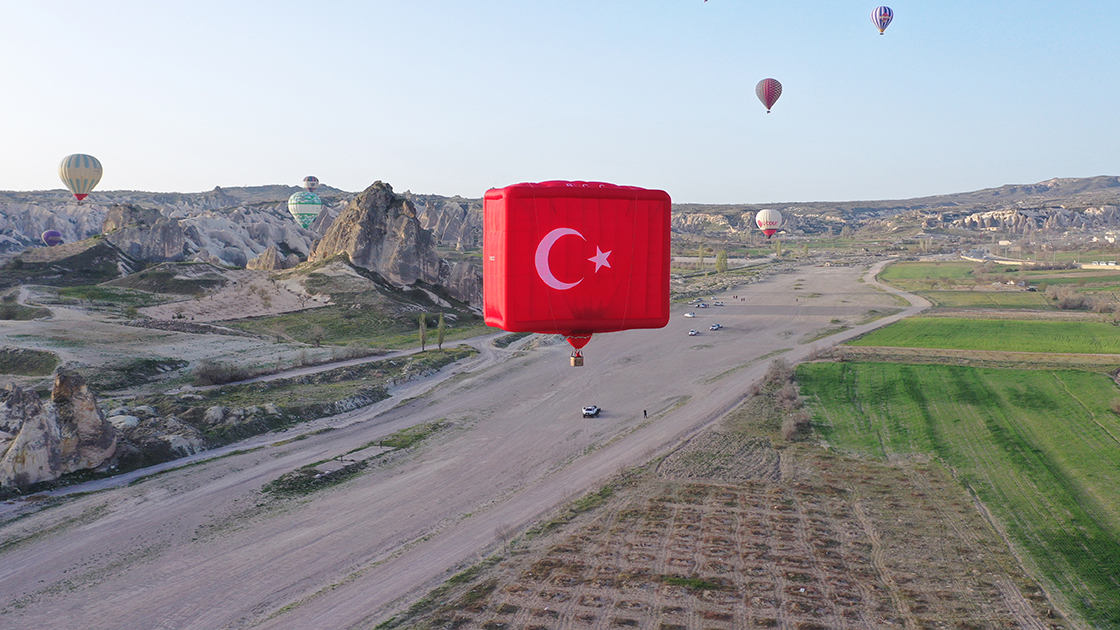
x: 768, y: 91
x: 310, y: 183
x: 881, y: 17
x: 80, y: 173
x: 305, y: 207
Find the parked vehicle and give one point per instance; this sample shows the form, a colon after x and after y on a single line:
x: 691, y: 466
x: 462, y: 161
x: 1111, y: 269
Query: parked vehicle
x: 591, y: 411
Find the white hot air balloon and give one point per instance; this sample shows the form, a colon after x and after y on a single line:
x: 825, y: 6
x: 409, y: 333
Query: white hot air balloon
x: 769, y: 221
x: 80, y: 173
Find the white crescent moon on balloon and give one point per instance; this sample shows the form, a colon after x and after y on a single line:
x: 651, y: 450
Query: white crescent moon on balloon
x: 544, y: 249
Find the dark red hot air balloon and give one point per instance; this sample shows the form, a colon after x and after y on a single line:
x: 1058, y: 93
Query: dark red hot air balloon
x: 576, y: 258
x: 768, y: 91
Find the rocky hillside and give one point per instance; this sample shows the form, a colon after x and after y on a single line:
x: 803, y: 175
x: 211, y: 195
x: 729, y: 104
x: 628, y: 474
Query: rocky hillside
x: 1056, y: 204
x: 381, y: 231
x: 213, y: 223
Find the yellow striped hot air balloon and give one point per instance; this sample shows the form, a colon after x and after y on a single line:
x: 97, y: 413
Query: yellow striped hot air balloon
x: 80, y: 173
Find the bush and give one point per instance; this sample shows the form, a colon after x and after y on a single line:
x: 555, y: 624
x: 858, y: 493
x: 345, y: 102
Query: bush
x: 795, y: 424
x: 213, y: 373
x: 779, y: 374
x: 788, y: 397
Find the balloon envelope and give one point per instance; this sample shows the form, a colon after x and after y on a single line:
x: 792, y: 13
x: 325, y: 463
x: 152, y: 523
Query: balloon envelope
x: 575, y: 258
x: 881, y: 17
x: 769, y: 221
x: 768, y: 91
x: 310, y: 183
x: 52, y: 238
x: 80, y: 173
x: 305, y: 207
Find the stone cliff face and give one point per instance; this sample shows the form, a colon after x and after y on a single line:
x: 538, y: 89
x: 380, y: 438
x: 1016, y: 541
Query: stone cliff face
x: 144, y: 234
x: 463, y: 280
x: 453, y: 221
x: 271, y: 260
x: 66, y: 435
x: 380, y: 231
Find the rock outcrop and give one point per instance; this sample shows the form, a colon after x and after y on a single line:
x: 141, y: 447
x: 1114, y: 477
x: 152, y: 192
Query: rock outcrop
x: 271, y: 260
x: 453, y: 221
x: 463, y: 281
x: 66, y: 435
x: 144, y: 233
x: 379, y: 230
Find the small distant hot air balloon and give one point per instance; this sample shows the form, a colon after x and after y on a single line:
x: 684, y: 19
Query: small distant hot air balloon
x: 769, y: 221
x: 80, y: 173
x: 310, y: 183
x: 305, y: 206
x: 52, y: 238
x: 768, y: 91
x: 881, y: 17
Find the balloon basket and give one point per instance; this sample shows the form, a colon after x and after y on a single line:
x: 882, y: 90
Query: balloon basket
x: 577, y: 361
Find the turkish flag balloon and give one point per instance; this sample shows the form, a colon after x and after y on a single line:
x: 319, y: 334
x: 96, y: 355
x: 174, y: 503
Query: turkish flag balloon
x: 575, y: 258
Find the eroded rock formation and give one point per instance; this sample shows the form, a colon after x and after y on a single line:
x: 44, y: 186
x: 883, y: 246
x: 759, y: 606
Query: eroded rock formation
x: 379, y: 230
x: 65, y: 435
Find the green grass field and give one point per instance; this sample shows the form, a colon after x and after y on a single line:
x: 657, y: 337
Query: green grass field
x: 997, y: 335
x: 1041, y: 449
x: 1032, y: 300
x: 922, y: 270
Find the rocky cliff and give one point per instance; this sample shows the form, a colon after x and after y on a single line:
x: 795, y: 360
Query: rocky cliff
x: 454, y: 221
x: 379, y: 230
x: 144, y: 234
x: 226, y: 226
x: 42, y: 442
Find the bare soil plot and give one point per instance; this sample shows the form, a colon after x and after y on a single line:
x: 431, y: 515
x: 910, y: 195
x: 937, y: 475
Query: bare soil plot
x: 732, y: 532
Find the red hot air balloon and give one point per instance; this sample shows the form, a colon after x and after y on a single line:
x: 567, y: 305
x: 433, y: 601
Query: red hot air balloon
x: 575, y: 258
x: 768, y: 91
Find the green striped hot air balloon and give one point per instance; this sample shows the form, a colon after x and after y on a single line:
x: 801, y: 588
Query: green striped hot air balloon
x: 304, y: 207
x: 80, y: 173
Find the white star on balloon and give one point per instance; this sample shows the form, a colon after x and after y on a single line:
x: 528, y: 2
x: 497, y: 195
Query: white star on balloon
x: 600, y: 258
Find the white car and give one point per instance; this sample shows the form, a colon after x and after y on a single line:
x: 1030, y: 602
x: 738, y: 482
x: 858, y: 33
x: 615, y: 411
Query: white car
x: 690, y: 314
x: 715, y: 326
x: 702, y: 305
x: 718, y: 303
x: 591, y: 411
x: 693, y: 333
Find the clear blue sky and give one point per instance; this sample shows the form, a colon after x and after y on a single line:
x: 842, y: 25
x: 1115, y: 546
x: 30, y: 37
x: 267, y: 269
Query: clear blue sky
x: 457, y: 96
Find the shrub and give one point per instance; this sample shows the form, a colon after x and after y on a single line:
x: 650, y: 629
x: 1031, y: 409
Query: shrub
x: 795, y: 424
x: 213, y: 373
x: 779, y: 374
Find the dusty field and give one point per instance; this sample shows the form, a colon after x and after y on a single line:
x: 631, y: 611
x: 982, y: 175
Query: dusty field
x: 249, y: 293
x: 730, y: 532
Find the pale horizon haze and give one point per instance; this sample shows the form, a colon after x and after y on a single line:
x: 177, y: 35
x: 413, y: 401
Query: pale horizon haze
x: 453, y: 97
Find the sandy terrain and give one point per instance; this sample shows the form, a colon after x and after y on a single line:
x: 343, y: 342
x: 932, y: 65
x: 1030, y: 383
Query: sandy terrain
x: 83, y: 339
x: 249, y: 293
x: 200, y: 547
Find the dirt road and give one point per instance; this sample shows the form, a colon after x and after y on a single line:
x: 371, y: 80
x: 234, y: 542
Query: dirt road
x: 199, y: 547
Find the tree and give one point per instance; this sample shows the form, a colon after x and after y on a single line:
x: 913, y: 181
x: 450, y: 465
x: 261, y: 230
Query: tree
x: 700, y: 255
x: 317, y: 333
x: 423, y: 331
x: 441, y: 329
x: 721, y: 261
